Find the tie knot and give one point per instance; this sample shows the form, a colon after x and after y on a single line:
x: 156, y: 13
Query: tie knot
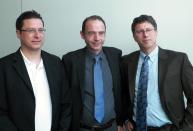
x: 97, y: 58
x: 146, y: 58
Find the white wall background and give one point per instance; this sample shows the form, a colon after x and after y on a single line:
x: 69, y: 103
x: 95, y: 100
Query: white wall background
x: 63, y: 21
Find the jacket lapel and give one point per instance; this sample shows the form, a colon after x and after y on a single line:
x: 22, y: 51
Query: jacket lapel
x: 111, y: 63
x: 50, y: 74
x: 81, y: 67
x: 132, y: 74
x: 162, y: 68
x: 19, y: 65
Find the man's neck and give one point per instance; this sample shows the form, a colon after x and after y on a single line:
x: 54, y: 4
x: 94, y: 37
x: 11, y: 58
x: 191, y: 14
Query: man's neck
x: 33, y: 56
x: 147, y: 51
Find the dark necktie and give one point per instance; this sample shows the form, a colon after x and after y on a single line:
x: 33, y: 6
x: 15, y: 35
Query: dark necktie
x: 141, y: 119
x: 98, y: 88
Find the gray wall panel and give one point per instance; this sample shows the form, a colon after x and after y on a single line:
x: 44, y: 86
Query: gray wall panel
x: 63, y: 19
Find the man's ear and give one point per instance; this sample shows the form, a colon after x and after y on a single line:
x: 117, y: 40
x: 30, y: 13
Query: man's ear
x: 82, y: 34
x: 18, y: 33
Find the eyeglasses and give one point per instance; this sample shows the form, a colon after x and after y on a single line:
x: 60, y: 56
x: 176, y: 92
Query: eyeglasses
x: 33, y: 30
x: 147, y: 31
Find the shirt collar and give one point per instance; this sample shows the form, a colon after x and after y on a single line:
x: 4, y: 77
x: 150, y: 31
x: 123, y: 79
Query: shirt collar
x: 152, y: 55
x: 29, y: 63
x: 92, y: 55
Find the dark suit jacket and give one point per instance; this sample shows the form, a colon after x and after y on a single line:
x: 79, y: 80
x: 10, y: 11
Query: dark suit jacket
x: 175, y: 76
x: 17, y: 100
x: 75, y: 65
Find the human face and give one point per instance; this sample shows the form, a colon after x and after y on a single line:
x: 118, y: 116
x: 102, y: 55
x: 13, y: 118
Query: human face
x: 31, y: 35
x: 145, y: 35
x: 94, y: 35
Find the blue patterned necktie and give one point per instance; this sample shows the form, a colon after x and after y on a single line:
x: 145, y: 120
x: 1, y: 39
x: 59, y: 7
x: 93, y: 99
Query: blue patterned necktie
x: 98, y: 88
x: 141, y: 119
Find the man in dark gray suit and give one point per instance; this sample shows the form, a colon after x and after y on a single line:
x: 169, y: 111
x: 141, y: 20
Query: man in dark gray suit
x: 80, y: 70
x: 170, y: 76
x: 34, y: 95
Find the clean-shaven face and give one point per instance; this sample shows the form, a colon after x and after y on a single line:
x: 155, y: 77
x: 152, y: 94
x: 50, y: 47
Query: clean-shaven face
x: 31, y: 35
x: 145, y: 35
x: 94, y: 35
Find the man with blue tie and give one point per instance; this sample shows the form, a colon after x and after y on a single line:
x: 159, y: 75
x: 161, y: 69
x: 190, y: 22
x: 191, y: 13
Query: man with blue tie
x: 155, y: 81
x: 94, y: 77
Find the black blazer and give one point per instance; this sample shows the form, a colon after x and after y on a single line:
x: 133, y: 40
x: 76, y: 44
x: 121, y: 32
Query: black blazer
x: 74, y: 63
x: 17, y: 100
x: 175, y: 77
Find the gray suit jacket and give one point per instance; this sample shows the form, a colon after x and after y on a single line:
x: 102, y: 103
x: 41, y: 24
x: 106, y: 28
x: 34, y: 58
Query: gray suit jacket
x: 175, y: 77
x: 17, y: 100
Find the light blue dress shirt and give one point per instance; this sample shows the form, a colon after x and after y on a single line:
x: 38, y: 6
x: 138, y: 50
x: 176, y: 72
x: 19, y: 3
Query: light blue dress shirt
x: 155, y: 114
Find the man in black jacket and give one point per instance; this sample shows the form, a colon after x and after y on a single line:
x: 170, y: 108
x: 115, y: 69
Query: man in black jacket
x: 34, y: 95
x: 80, y: 66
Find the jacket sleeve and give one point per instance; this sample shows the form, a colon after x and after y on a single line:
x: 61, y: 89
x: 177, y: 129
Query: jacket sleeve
x: 126, y: 115
x: 66, y: 104
x: 5, y: 122
x: 187, y: 84
x: 119, y: 107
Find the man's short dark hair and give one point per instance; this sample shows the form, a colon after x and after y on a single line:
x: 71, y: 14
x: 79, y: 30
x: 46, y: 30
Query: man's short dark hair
x: 27, y: 15
x: 142, y: 19
x: 93, y: 17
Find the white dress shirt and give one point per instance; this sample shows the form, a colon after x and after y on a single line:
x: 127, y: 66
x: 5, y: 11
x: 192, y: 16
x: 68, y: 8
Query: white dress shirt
x: 43, y: 106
